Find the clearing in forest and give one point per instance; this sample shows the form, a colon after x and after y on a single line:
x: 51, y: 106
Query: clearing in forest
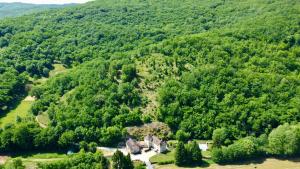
x: 23, y: 108
x: 20, y: 111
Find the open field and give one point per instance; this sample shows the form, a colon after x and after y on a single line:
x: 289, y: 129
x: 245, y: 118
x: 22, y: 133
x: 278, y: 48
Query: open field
x: 21, y: 110
x: 31, y: 160
x: 269, y: 163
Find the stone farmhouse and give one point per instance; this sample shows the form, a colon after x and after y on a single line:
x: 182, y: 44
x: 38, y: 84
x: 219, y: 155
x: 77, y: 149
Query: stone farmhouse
x: 133, y: 146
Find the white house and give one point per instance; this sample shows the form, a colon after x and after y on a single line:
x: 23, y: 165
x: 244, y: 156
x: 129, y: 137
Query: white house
x: 154, y: 142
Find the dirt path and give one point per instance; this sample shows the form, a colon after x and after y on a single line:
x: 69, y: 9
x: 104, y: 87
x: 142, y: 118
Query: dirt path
x: 30, y: 98
x: 3, y: 159
x: 269, y: 163
x: 144, y: 156
x: 40, y: 124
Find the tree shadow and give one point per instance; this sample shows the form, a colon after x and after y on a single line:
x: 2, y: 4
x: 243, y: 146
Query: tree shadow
x: 247, y: 162
x: 293, y: 159
x: 13, y: 104
x: 26, y: 154
x: 202, y: 164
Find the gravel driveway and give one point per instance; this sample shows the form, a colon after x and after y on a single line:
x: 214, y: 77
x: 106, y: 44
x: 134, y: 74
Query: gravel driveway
x: 144, y: 156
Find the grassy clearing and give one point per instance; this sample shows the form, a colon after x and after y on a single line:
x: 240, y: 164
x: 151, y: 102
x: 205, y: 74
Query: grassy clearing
x: 43, y: 119
x: 31, y: 159
x: 58, y: 68
x: 21, y: 110
x: 147, y: 87
x: 163, y: 158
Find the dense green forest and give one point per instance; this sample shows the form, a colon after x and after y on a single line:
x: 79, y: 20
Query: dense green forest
x: 18, y: 9
x: 209, y: 64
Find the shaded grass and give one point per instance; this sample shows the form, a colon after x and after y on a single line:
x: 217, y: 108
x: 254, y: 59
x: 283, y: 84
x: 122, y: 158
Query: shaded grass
x: 21, y: 110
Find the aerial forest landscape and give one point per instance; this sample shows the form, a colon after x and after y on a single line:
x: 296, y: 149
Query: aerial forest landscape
x: 150, y: 84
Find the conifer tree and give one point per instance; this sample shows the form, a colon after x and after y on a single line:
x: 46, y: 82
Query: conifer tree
x: 180, y: 154
x: 195, y: 152
x: 121, y: 162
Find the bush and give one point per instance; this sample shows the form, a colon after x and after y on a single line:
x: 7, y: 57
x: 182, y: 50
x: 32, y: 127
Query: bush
x: 242, y: 149
x: 285, y: 140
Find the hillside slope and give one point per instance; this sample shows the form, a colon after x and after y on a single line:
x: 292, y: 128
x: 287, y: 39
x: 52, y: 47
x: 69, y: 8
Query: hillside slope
x: 198, y: 65
x: 18, y: 9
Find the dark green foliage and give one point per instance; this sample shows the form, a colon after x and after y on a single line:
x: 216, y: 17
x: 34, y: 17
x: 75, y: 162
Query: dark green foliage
x: 188, y: 155
x: 120, y: 161
x: 194, y: 153
x: 19, y: 138
x: 12, y: 85
x: 128, y: 73
x: 180, y: 154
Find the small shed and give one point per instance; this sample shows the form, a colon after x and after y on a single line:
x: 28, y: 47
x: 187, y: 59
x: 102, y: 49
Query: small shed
x: 203, y: 147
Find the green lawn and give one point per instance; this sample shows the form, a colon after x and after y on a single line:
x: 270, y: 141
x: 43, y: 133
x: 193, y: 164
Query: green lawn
x: 163, y: 158
x: 21, y: 110
x: 168, y: 158
x: 31, y: 159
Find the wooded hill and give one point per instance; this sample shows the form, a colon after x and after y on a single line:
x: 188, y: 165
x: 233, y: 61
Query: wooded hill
x: 195, y: 65
x: 18, y: 9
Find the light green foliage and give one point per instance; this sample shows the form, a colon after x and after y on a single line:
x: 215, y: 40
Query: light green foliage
x: 188, y: 155
x: 15, y: 164
x: 182, y: 136
x: 285, y: 140
x: 221, y: 137
x: 66, y: 139
x: 240, y: 150
x: 20, y: 111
